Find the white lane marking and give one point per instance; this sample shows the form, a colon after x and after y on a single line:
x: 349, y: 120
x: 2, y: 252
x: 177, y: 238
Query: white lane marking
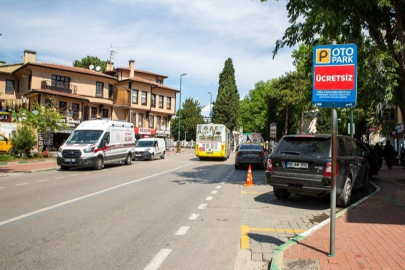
x: 218, y: 187
x: 22, y: 184
x: 202, y: 206
x: 43, y: 180
x: 214, y: 192
x: 193, y: 216
x: 60, y: 177
x: 2, y: 187
x: 182, y: 230
x: 74, y: 175
x: 158, y: 259
x: 209, y: 198
x: 85, y: 196
x: 222, y: 183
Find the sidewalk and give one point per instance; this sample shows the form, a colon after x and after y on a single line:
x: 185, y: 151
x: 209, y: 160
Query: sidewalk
x: 369, y: 234
x: 30, y: 166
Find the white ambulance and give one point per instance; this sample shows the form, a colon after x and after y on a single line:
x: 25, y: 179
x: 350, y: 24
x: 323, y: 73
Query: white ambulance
x: 97, y: 142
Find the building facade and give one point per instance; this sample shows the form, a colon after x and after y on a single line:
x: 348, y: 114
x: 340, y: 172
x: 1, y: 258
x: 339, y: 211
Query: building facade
x: 125, y: 94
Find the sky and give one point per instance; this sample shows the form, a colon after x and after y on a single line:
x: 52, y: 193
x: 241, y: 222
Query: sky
x: 168, y: 37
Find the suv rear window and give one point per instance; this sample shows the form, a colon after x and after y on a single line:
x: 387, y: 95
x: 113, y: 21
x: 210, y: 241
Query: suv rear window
x: 307, y: 146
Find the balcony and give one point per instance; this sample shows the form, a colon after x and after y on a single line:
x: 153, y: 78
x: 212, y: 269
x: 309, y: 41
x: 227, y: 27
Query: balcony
x: 72, y: 90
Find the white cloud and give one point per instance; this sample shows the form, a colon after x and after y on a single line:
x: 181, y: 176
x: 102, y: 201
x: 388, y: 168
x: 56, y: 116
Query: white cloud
x: 169, y: 37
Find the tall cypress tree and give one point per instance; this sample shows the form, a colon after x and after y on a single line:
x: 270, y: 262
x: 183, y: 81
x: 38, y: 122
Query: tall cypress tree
x: 226, y: 106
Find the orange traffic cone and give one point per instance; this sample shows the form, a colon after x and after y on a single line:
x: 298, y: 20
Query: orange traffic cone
x: 249, y: 179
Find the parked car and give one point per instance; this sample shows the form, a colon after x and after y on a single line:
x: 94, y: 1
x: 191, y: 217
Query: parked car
x: 372, y: 157
x: 302, y: 164
x: 250, y: 154
x: 5, y: 145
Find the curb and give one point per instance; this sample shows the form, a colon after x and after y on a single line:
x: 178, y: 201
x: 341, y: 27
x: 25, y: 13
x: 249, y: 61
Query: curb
x: 277, y: 260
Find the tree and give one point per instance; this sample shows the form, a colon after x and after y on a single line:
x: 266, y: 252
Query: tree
x: 348, y: 20
x: 41, y: 118
x: 253, y: 110
x: 190, y: 117
x: 90, y: 60
x: 226, y: 106
x: 23, y: 140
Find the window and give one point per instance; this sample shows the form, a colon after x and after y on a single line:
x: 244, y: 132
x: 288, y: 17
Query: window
x: 105, y: 113
x: 60, y: 82
x: 134, y: 96
x: 110, y: 91
x: 158, y: 121
x: 48, y: 103
x: 140, y: 120
x: 159, y: 81
x: 10, y: 86
x: 62, y: 106
x: 151, y: 121
x: 99, y: 89
x: 168, y: 103
x: 133, y: 118
x: 153, y: 100
x: 144, y: 96
x: 75, y: 109
x: 161, y: 102
x: 165, y: 122
x: 94, y: 112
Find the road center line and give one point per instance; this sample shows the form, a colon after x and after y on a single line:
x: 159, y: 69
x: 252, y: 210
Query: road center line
x: 218, y: 187
x: 214, y: 192
x: 39, y: 211
x: 2, y: 187
x: 158, y: 259
x: 209, y: 198
x: 43, y: 180
x: 60, y: 177
x: 202, y: 206
x: 22, y: 184
x: 193, y: 216
x: 182, y: 230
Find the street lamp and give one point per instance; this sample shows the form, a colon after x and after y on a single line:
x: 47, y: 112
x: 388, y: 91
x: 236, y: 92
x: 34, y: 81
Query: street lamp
x: 210, y: 106
x: 178, y: 134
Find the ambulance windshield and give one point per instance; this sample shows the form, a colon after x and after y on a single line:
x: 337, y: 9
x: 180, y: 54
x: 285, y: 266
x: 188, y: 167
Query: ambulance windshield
x: 84, y: 137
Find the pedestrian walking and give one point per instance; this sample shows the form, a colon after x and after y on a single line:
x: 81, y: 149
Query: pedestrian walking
x: 389, y: 153
x: 380, y: 154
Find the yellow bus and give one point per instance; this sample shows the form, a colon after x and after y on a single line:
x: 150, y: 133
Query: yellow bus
x: 212, y: 141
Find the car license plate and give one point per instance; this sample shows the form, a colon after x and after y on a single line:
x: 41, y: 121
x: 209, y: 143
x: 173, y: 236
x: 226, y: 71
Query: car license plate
x: 298, y: 165
x: 70, y: 160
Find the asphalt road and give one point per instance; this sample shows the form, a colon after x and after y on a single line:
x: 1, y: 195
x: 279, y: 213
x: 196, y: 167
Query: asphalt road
x: 176, y: 213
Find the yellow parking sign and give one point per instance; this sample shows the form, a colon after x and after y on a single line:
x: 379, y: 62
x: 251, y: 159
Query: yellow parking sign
x: 322, y: 56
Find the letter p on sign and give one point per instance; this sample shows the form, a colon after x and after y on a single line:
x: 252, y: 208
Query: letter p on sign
x: 322, y: 56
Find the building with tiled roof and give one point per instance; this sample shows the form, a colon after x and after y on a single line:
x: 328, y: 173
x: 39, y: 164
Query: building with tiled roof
x: 125, y: 94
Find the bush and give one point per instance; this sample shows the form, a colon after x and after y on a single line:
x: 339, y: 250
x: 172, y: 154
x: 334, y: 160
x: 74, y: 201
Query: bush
x: 23, y: 140
x: 6, y: 158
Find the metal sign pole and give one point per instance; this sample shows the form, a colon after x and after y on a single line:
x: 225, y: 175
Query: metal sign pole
x: 333, y: 185
x: 333, y: 181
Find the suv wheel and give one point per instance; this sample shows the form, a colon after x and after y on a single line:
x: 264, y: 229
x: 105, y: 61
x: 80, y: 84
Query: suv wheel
x: 344, y: 198
x: 281, y: 193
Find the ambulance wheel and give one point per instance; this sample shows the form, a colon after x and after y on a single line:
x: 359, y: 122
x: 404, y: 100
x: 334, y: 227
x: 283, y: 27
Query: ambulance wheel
x: 99, y: 163
x: 128, y: 160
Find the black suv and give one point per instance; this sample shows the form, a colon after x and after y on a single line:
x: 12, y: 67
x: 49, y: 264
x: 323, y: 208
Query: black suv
x: 301, y: 164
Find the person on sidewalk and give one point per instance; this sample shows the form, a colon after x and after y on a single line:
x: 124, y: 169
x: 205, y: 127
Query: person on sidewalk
x: 380, y: 154
x: 389, y: 153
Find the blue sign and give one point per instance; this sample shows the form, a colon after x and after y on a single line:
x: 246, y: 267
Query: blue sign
x: 334, y: 76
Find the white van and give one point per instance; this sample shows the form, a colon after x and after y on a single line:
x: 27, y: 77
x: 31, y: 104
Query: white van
x: 97, y: 142
x: 149, y: 148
